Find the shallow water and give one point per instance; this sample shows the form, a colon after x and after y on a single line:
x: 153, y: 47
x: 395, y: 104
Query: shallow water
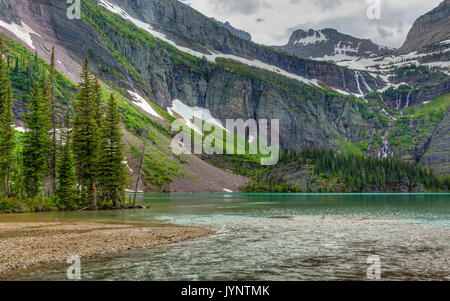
x: 280, y: 237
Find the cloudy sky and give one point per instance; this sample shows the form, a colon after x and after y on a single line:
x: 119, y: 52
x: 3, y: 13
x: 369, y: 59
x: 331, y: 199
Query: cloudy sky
x: 271, y: 22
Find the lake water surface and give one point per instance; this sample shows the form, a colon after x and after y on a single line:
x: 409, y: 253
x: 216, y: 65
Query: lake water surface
x: 281, y: 237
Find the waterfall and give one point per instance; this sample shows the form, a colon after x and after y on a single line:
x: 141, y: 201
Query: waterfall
x: 365, y: 84
x: 384, y: 152
x: 407, y: 100
x: 398, y: 101
x: 358, y: 85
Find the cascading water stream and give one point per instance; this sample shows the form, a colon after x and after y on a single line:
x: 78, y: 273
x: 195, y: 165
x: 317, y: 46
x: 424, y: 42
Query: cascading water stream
x: 358, y: 84
x: 407, y: 100
x: 365, y: 83
x: 398, y: 101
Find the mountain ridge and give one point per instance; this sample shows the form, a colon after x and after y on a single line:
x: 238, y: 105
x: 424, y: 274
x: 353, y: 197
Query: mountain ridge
x: 329, y: 44
x: 153, y: 64
x: 429, y: 29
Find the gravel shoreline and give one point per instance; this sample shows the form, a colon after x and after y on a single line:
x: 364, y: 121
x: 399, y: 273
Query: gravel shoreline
x: 24, y: 245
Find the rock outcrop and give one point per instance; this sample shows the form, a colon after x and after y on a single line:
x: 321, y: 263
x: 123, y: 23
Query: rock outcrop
x: 237, y: 32
x: 430, y: 28
x: 329, y: 44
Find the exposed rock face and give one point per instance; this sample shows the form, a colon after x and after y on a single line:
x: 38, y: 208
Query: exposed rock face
x: 237, y: 32
x: 437, y: 151
x: 308, y: 116
x: 329, y: 44
x: 430, y: 28
x: 188, y: 27
x: 403, y: 100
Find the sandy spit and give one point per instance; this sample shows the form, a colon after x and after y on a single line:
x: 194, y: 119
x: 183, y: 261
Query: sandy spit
x: 24, y: 245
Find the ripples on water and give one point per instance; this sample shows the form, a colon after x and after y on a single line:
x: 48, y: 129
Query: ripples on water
x: 285, y: 238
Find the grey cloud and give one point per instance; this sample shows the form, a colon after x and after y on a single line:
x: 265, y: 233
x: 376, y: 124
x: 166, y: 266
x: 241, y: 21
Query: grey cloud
x: 272, y: 21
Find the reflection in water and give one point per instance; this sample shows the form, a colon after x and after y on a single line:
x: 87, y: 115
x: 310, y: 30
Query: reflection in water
x: 283, y: 237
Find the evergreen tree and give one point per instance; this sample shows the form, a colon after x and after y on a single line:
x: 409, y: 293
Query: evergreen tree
x: 6, y: 123
x: 7, y: 144
x: 46, y: 107
x: 66, y: 191
x: 4, y: 79
x: 16, y: 66
x: 85, y: 142
x: 112, y: 172
x: 97, y: 95
x: 53, y: 158
x: 36, y: 143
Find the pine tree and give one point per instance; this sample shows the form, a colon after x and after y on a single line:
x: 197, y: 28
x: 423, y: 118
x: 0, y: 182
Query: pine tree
x: 53, y: 157
x: 86, y: 138
x: 36, y: 143
x: 46, y: 108
x: 6, y: 123
x: 97, y: 95
x: 66, y: 191
x: 7, y: 144
x: 16, y: 66
x: 112, y: 172
x: 4, y: 79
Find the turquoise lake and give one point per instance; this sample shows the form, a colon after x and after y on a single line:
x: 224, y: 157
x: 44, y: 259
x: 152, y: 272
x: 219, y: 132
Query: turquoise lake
x: 280, y: 237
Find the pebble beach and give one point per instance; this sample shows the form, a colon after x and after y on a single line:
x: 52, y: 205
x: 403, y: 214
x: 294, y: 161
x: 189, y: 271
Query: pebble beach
x: 24, y: 245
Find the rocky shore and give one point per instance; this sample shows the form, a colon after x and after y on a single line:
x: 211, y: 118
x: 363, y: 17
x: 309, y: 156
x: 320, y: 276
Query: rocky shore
x: 24, y: 245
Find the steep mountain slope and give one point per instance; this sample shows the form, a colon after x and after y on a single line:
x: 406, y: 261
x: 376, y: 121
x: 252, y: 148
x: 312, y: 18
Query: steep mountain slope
x: 429, y: 29
x: 131, y: 58
x: 198, y: 35
x: 163, y: 171
x: 162, y: 50
x: 330, y: 45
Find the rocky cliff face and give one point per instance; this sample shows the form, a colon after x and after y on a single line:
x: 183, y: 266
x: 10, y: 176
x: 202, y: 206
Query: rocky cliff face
x: 237, y: 32
x: 309, y: 116
x: 129, y: 58
x: 190, y: 28
x: 401, y: 100
x: 329, y: 44
x: 430, y: 28
x: 436, y: 151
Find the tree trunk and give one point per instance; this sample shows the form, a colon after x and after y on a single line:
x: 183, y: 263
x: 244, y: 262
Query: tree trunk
x: 94, y: 196
x: 140, y: 168
x: 6, y: 184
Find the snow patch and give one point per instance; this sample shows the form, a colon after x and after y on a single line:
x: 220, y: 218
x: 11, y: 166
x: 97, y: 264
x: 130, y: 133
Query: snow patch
x: 143, y: 104
x: 189, y: 114
x: 312, y: 39
x: 210, y: 57
x: 23, y: 32
x: 227, y: 190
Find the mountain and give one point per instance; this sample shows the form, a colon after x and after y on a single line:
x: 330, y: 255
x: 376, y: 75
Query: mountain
x: 240, y: 33
x: 330, y: 45
x: 163, y: 58
x: 429, y: 29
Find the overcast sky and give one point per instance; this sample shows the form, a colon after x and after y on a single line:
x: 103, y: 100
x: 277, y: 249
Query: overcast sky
x: 271, y: 22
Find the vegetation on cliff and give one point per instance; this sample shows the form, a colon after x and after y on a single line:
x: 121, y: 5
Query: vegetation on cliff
x: 331, y: 171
